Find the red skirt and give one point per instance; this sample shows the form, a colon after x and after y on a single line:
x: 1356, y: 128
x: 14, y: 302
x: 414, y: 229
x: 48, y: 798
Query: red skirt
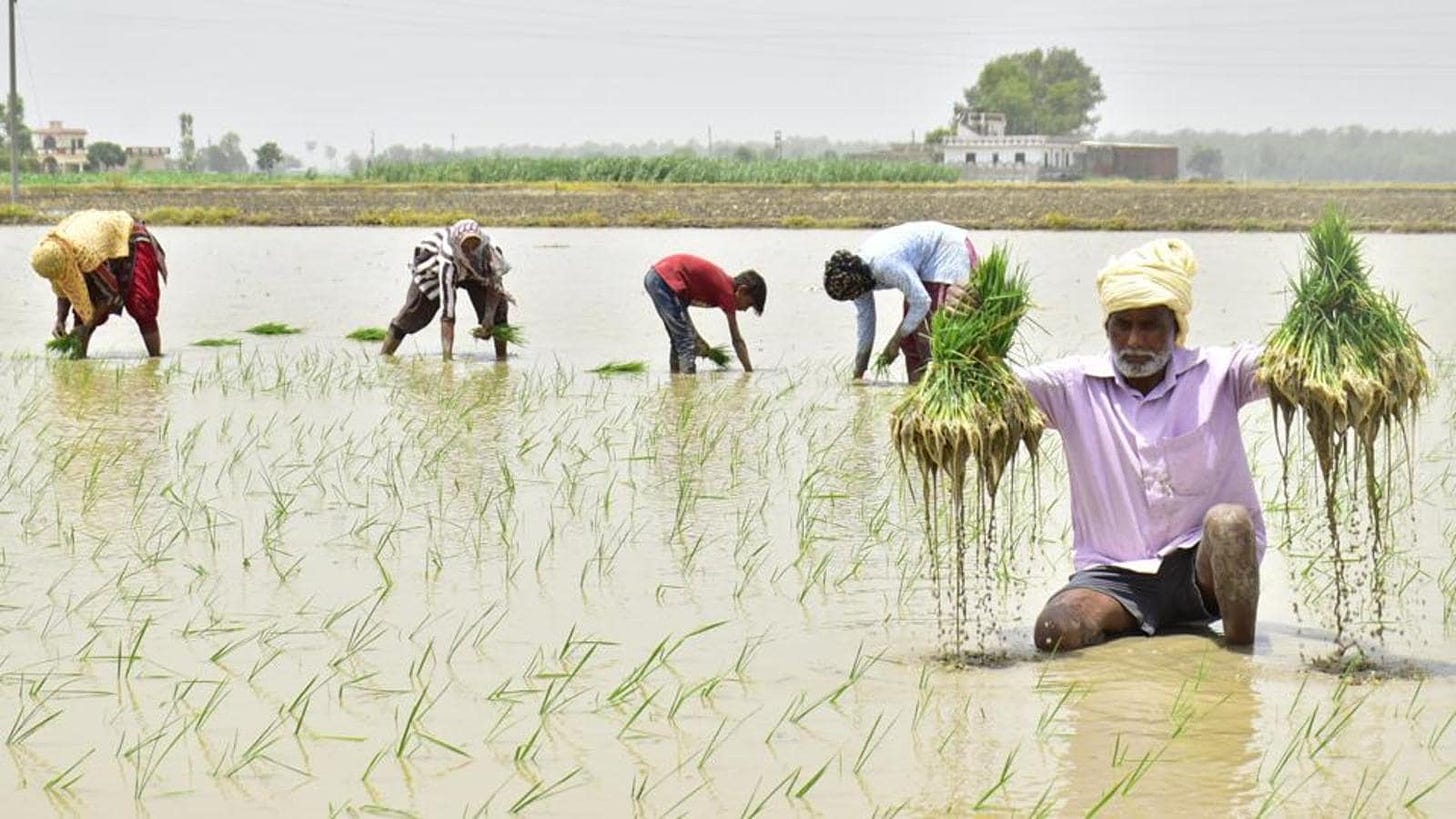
x: 916, y: 346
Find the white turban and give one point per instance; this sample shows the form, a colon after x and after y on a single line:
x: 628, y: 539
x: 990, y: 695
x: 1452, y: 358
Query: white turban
x: 1157, y: 273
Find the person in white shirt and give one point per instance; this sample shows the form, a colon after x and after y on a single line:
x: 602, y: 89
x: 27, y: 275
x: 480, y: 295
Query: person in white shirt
x: 922, y: 260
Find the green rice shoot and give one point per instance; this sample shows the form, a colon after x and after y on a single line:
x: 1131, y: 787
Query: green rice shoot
x: 273, y: 328
x: 1347, y: 361
x: 509, y: 333
x: 368, y: 334
x: 620, y: 367
x: 717, y: 353
x: 67, y: 345
x: 969, y: 409
x: 218, y: 342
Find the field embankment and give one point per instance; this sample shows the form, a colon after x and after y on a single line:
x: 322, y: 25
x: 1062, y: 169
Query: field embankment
x: 1060, y: 206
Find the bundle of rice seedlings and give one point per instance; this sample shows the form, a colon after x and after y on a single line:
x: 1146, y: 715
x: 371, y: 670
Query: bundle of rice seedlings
x: 67, y: 345
x: 616, y: 367
x: 1346, y: 355
x: 218, y: 342
x: 1347, y: 359
x: 368, y: 334
x: 968, y: 409
x: 717, y: 353
x: 509, y: 333
x: 273, y: 328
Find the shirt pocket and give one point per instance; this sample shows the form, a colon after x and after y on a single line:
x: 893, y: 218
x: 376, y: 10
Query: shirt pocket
x: 1192, y: 460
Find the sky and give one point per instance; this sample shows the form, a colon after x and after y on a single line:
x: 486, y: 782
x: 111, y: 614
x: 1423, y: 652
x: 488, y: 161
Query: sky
x: 482, y: 73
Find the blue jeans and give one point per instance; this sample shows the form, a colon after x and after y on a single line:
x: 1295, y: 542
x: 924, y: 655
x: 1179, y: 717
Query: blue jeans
x: 673, y: 310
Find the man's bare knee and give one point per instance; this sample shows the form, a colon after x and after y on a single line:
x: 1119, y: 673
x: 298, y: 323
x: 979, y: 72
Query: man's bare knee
x: 1079, y: 617
x: 1062, y: 627
x: 1055, y: 631
x: 1228, y: 523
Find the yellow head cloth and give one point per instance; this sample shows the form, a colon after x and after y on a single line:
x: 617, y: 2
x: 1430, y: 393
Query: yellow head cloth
x: 80, y: 244
x: 1157, y: 273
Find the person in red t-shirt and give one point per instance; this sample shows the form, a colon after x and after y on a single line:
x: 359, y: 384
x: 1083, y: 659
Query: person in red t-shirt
x: 680, y: 281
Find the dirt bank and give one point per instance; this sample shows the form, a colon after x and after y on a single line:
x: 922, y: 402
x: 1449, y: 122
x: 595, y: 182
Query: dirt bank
x: 1005, y: 206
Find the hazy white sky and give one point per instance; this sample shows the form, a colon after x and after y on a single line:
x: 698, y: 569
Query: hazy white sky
x: 552, y: 72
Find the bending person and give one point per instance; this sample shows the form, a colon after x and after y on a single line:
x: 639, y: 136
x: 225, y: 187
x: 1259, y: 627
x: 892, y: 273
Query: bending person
x: 100, y: 262
x: 680, y: 281
x: 921, y: 260
x: 459, y: 257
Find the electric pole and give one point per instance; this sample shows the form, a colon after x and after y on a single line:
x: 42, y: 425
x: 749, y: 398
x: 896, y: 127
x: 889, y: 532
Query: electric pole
x: 10, y: 106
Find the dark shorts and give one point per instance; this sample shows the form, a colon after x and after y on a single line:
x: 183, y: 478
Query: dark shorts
x: 1157, y: 601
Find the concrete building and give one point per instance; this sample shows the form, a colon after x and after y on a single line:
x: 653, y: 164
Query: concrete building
x: 983, y: 150
x: 60, y: 149
x: 148, y: 157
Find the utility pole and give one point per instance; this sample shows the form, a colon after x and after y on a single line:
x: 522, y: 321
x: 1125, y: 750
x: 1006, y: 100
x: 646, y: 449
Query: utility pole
x: 11, y: 129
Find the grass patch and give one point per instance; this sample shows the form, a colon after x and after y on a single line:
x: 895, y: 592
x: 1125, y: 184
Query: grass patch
x: 12, y: 214
x: 368, y: 334
x: 193, y: 216
x: 218, y: 342
x: 273, y: 328
x: 620, y: 367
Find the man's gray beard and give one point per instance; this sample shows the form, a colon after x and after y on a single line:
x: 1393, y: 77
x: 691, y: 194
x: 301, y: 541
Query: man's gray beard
x: 1152, y: 366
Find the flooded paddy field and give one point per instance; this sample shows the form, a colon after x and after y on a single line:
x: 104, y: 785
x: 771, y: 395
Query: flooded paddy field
x: 290, y: 577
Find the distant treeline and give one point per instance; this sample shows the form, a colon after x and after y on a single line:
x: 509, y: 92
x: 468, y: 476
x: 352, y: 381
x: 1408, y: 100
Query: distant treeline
x: 1349, y: 154
x: 657, y: 169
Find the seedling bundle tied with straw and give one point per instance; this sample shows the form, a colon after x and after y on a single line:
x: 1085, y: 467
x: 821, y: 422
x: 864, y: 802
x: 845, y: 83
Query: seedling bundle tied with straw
x: 969, y: 409
x: 1346, y: 359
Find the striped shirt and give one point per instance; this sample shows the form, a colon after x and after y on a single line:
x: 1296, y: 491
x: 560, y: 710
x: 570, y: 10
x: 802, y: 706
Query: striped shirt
x: 435, y: 271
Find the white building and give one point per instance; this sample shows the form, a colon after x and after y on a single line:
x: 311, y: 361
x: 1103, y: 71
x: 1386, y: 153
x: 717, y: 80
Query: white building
x: 1026, y: 156
x: 60, y: 149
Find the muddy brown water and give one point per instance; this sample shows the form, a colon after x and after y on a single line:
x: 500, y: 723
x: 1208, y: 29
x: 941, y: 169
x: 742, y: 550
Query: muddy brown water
x: 290, y: 577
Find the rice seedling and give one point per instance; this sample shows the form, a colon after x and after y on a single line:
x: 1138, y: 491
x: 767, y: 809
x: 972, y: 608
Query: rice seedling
x: 218, y: 342
x: 1347, y: 362
x: 509, y: 333
x: 619, y: 367
x: 273, y: 328
x: 969, y: 408
x: 67, y: 345
x: 716, y: 353
x: 368, y: 334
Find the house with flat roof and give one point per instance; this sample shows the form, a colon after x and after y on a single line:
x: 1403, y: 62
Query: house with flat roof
x: 983, y: 149
x: 60, y: 149
x: 148, y: 157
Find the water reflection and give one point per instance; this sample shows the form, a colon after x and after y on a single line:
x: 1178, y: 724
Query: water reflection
x: 109, y: 423
x: 1146, y: 721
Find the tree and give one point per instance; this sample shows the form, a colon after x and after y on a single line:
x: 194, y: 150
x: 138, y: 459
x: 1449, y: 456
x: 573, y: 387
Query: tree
x: 1206, y: 162
x: 1051, y: 92
x: 226, y: 156
x: 103, y: 156
x: 23, y: 138
x: 269, y: 155
x: 189, y: 145
x: 937, y: 136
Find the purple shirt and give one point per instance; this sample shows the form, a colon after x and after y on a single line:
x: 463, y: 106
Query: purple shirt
x: 1145, y: 469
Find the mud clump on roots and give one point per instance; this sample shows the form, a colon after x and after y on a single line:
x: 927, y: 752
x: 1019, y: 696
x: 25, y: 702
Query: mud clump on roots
x: 1347, y: 361
x: 969, y: 410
